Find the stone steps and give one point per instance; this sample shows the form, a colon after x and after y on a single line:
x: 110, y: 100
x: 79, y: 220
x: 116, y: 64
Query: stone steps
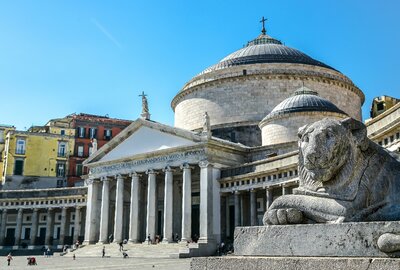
x: 133, y: 250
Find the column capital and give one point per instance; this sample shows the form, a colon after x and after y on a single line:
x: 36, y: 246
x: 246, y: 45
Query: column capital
x: 151, y: 171
x: 78, y: 207
x: 105, y: 178
x: 186, y: 166
x: 253, y: 190
x: 91, y: 181
x: 168, y: 169
x: 50, y: 209
x: 204, y: 164
x: 119, y: 176
x: 134, y: 174
x: 20, y: 210
x: 35, y: 209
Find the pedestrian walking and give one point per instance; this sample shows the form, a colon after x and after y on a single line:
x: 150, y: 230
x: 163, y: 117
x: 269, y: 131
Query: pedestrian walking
x: 103, y: 252
x: 48, y: 252
x: 73, y: 257
x: 9, y: 258
x: 121, y: 246
x: 148, y: 239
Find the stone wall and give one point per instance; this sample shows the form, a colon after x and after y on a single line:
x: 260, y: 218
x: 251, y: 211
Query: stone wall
x: 230, y: 97
x: 284, y: 129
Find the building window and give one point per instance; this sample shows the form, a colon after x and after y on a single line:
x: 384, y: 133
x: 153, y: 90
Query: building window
x: 107, y: 134
x: 60, y: 183
x: 81, y: 132
x: 78, y: 169
x: 398, y: 135
x: 386, y: 141
x: 80, y: 151
x: 19, y: 167
x: 62, y: 149
x: 380, y: 106
x: 62, y: 132
x: 90, y: 150
x: 92, y: 133
x: 60, y: 169
x: 20, y: 150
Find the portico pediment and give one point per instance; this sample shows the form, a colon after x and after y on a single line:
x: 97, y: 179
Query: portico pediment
x: 144, y: 137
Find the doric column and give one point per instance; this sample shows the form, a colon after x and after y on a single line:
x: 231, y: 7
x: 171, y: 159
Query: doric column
x: 49, y: 227
x: 186, y: 203
x: 77, y: 225
x: 268, y: 194
x: 63, y: 225
x: 104, y: 214
x: 151, y: 205
x: 18, y: 227
x: 91, y: 211
x: 253, y: 207
x: 3, y: 226
x: 237, y: 208
x: 168, y: 199
x: 34, y: 226
x: 119, y: 209
x: 206, y: 202
x: 134, y: 213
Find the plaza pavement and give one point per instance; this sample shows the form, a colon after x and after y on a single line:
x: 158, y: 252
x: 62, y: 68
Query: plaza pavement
x: 81, y: 263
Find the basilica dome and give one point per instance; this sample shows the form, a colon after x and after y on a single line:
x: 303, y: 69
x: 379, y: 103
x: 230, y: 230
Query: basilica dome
x: 265, y: 49
x: 241, y: 89
x: 304, y: 107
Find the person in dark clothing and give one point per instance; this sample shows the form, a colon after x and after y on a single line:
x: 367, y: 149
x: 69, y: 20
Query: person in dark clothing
x: 121, y: 246
x: 103, y: 252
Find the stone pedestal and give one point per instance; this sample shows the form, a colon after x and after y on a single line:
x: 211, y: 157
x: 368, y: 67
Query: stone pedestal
x: 293, y: 263
x: 358, y: 239
x: 308, y: 246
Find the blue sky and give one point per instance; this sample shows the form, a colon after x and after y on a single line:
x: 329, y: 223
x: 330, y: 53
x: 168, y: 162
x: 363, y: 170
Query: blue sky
x: 60, y: 57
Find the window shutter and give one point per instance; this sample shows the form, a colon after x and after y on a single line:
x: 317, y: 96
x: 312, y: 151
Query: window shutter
x: 95, y: 133
x: 77, y: 132
x: 84, y: 132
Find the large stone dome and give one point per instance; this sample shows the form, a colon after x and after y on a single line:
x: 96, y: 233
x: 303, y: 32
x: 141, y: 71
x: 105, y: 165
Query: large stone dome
x: 265, y: 49
x: 242, y: 88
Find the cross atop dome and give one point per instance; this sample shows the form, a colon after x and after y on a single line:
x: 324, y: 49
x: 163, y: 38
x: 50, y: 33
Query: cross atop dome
x: 263, y: 20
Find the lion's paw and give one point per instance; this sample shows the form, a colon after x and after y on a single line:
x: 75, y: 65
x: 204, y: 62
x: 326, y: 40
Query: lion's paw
x: 283, y: 216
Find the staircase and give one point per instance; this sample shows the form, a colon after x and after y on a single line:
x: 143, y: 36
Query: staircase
x: 133, y: 251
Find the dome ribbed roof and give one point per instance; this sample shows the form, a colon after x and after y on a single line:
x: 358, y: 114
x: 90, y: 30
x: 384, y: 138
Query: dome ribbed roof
x: 265, y: 49
x: 303, y: 100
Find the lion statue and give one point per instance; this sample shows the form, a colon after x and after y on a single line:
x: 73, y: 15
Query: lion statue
x: 344, y: 177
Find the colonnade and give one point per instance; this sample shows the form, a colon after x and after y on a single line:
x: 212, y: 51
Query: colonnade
x: 102, y: 185
x: 34, y: 224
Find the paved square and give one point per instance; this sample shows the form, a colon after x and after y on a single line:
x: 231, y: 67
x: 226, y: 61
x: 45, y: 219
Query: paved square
x: 58, y: 262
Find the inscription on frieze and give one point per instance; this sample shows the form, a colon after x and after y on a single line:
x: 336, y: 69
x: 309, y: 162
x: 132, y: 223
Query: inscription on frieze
x: 128, y: 165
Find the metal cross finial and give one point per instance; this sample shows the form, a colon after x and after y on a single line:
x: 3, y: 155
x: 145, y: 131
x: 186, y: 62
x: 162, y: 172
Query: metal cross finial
x: 143, y: 94
x: 263, y: 25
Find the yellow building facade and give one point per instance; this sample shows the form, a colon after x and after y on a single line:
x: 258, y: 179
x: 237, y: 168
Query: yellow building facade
x: 37, y: 158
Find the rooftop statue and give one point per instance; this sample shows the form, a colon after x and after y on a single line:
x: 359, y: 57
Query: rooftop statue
x: 344, y: 177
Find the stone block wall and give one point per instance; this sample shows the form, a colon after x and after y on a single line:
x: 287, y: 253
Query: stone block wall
x: 232, y: 97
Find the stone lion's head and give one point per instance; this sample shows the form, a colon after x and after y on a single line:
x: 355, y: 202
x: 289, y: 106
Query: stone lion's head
x: 326, y: 146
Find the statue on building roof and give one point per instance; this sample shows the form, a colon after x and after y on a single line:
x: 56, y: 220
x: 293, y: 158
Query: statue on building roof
x: 145, y: 107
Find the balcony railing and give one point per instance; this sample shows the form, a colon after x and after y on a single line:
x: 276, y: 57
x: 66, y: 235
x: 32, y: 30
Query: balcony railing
x: 62, y: 154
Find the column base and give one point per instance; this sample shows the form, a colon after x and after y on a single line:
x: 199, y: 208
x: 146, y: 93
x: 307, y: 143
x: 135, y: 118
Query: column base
x: 102, y: 243
x: 133, y: 241
x: 166, y: 241
x: 87, y: 242
x: 147, y: 242
x: 206, y: 240
x: 186, y: 240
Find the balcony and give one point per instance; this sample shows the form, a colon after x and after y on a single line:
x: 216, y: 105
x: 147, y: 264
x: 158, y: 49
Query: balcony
x: 20, y: 151
x: 62, y: 154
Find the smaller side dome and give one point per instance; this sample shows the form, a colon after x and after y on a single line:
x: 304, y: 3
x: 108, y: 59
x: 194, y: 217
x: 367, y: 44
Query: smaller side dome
x: 304, y: 107
x: 303, y: 100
